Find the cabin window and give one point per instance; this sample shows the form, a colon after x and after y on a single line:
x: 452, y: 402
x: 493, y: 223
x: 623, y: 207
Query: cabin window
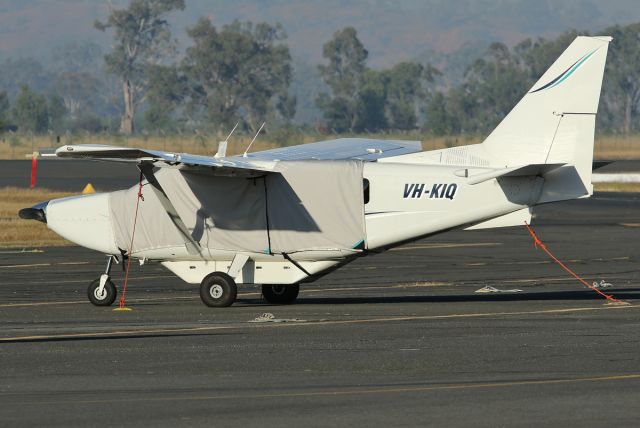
x: 365, y: 190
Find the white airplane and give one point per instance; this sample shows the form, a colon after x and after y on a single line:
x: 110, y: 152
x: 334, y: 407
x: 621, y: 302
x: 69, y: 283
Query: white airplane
x: 287, y: 216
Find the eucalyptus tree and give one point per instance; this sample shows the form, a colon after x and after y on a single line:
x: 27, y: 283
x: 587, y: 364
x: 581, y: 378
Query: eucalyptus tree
x: 142, y: 38
x: 621, y: 85
x: 30, y: 111
x: 343, y: 75
x: 5, y: 106
x: 241, y: 70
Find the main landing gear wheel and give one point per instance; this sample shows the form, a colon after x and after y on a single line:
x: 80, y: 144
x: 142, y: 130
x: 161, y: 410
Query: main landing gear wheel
x: 102, y: 297
x: 218, y: 290
x: 280, y: 294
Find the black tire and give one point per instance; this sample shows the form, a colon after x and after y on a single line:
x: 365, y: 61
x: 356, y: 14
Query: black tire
x: 108, y: 296
x: 280, y: 294
x: 218, y: 290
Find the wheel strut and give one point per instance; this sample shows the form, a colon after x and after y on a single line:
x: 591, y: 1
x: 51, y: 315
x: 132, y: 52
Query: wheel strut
x: 106, y: 276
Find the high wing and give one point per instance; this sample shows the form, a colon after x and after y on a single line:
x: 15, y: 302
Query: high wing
x: 217, y: 166
x: 252, y: 164
x: 342, y: 148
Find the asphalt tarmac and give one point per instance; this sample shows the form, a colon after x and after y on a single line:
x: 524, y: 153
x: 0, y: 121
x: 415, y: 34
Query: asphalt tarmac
x: 69, y: 175
x: 396, y: 339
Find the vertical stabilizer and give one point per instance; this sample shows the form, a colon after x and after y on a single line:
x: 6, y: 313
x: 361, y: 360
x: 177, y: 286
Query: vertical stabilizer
x: 554, y: 122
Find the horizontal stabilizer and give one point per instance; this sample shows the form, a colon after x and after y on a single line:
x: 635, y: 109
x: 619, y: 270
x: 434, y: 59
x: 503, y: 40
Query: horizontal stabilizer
x: 517, y: 171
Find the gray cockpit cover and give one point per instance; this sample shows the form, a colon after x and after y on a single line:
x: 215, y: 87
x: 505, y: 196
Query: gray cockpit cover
x: 309, y: 205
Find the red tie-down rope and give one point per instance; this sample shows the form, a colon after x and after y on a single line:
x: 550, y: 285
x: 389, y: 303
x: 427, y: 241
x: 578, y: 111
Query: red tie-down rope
x: 538, y: 243
x: 133, y: 234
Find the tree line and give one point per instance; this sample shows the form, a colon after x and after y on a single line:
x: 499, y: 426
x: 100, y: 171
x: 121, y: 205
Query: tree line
x: 243, y: 72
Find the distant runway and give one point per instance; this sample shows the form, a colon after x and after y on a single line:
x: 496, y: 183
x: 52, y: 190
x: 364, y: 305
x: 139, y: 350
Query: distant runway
x: 69, y: 175
x: 73, y: 175
x: 397, y: 339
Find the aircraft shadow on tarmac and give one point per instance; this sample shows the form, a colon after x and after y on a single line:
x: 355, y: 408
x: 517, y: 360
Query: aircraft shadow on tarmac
x: 100, y: 337
x: 578, y: 295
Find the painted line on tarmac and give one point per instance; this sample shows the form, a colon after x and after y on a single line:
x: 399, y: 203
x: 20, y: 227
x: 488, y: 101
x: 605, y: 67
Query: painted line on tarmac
x: 130, y: 300
x: 560, y: 279
x: 491, y: 262
x: 205, y: 328
x: 416, y: 284
x: 444, y: 245
x: 86, y: 302
x: 25, y: 266
x: 44, y: 265
x: 75, y: 281
x: 547, y: 262
x: 348, y: 391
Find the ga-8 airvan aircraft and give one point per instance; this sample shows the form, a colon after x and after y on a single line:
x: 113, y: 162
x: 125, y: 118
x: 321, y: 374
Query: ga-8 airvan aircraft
x: 287, y: 216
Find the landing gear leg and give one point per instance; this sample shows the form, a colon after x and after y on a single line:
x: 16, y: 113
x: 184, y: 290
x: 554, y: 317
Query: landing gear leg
x: 102, y: 291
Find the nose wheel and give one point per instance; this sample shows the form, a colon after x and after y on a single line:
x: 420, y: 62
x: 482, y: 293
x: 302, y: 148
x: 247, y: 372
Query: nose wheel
x: 102, y: 296
x: 102, y: 291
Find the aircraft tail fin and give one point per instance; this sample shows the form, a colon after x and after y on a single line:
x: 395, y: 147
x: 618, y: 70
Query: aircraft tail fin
x: 554, y: 122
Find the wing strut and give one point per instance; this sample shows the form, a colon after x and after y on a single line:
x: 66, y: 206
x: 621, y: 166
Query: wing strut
x: 146, y: 168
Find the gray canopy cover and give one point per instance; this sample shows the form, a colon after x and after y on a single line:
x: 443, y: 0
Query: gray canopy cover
x: 306, y: 205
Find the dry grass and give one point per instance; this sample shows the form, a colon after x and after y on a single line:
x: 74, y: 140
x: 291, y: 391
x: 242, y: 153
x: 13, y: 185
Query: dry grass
x: 617, y: 187
x: 617, y: 147
x: 606, y: 147
x: 199, y: 145
x: 15, y: 232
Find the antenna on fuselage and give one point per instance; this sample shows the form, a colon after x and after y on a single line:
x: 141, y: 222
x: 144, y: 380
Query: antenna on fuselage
x: 244, y: 155
x: 222, y: 145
